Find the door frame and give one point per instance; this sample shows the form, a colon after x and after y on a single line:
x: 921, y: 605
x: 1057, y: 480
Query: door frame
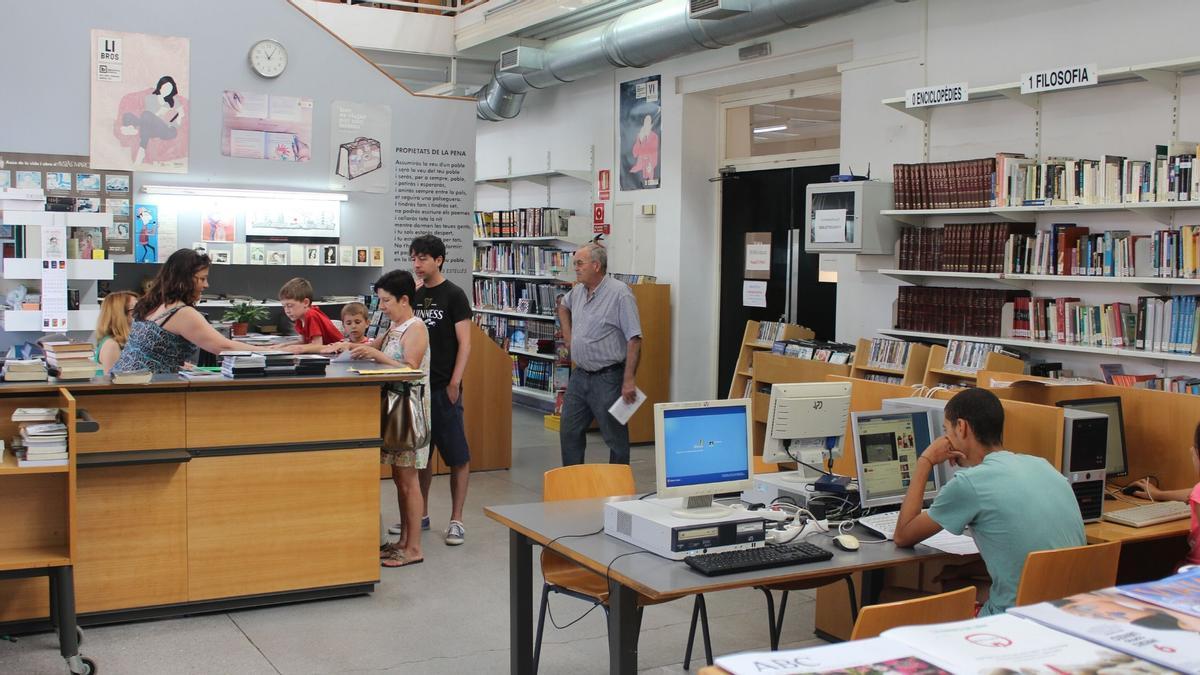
x: 828, y: 85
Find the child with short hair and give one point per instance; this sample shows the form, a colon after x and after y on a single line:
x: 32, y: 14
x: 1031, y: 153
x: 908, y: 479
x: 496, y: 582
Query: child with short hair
x: 1190, y: 495
x: 355, y: 320
x: 312, y: 326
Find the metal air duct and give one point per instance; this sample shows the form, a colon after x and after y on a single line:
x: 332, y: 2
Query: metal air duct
x: 637, y: 39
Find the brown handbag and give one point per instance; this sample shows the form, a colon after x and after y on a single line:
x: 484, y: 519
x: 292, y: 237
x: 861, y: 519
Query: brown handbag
x: 405, y: 425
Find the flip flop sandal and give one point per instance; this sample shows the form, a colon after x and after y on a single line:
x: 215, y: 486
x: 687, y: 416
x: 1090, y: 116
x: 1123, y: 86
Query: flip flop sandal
x: 397, y: 559
x: 387, y: 550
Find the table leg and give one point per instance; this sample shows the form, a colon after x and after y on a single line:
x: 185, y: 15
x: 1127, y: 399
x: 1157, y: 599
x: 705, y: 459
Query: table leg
x: 872, y: 585
x: 62, y: 580
x: 520, y: 603
x: 624, y: 623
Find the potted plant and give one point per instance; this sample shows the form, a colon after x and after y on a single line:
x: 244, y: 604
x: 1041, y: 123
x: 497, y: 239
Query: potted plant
x: 242, y: 314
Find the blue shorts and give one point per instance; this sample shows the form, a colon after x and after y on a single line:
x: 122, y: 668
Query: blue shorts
x: 447, y: 430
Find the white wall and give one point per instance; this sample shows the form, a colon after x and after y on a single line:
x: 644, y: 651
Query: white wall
x: 895, y: 46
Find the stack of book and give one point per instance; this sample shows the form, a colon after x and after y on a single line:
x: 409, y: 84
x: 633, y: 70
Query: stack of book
x: 311, y: 365
x: 41, y: 444
x: 71, y: 360
x: 279, y: 363
x: 24, y: 370
x: 236, y: 364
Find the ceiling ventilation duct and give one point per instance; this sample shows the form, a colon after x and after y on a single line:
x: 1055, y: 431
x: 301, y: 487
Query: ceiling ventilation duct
x: 642, y: 38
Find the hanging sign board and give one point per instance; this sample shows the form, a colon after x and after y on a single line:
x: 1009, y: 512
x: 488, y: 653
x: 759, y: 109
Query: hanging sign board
x: 1062, y: 77
x: 941, y: 94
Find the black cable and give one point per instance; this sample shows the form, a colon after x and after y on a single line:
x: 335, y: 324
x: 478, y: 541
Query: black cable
x: 596, y: 603
x: 550, y: 613
x: 648, y: 494
x: 608, y: 569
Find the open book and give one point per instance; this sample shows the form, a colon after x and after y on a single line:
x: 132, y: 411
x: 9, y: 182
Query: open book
x: 994, y: 644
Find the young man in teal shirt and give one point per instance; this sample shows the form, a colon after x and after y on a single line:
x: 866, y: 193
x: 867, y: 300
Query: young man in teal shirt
x: 1013, y: 504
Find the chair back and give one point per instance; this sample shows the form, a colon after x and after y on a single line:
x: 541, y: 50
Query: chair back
x: 953, y: 606
x: 1050, y: 575
x: 587, y: 481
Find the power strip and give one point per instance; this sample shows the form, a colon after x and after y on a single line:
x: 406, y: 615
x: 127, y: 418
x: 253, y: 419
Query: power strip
x: 794, y: 533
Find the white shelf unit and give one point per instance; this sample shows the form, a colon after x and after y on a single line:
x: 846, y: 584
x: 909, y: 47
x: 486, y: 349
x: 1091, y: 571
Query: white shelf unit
x: 512, y: 313
x: 30, y: 321
x: 538, y: 176
x: 921, y: 277
x: 535, y: 393
x: 1160, y: 212
x: 533, y: 355
x: 31, y: 268
x: 68, y: 218
x: 1046, y: 345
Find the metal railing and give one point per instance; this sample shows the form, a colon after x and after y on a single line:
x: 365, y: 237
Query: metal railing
x: 443, y: 7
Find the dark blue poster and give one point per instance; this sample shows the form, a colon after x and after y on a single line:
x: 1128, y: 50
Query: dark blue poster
x: 641, y: 129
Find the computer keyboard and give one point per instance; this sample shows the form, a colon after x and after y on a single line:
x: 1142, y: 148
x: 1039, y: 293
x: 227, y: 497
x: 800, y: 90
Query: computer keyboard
x: 728, y: 562
x: 883, y: 523
x: 1149, y: 514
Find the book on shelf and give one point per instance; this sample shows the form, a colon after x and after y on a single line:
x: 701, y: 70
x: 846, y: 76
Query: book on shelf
x: 968, y: 357
x: 814, y: 350
x: 770, y: 331
x: 512, y: 294
x: 882, y: 377
x: 517, y: 223
x: 35, y: 414
x: 528, y: 259
x: 634, y: 279
x: 888, y: 353
x: 981, y: 312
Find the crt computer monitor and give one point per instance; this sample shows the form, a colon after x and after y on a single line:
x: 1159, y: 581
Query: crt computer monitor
x: 886, y: 446
x: 1116, y: 461
x: 703, y: 448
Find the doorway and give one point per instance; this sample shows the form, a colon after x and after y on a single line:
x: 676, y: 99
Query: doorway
x: 770, y: 201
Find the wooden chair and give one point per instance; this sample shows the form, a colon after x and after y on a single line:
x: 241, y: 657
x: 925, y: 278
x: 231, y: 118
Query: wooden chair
x: 956, y: 605
x: 1049, y: 575
x: 562, y: 575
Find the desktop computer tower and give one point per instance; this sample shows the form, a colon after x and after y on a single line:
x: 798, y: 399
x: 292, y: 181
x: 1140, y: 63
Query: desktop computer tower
x: 1084, y: 456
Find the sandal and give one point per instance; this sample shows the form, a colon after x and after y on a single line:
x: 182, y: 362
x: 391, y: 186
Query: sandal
x: 389, y: 549
x: 397, y: 559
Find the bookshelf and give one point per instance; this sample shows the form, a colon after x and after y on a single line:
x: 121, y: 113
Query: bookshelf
x: 938, y: 373
x: 1159, y: 212
x: 1023, y: 343
x: 912, y: 372
x: 743, y: 371
x: 922, y: 277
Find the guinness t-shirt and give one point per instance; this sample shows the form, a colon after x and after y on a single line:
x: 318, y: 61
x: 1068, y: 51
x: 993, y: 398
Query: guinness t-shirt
x: 440, y: 307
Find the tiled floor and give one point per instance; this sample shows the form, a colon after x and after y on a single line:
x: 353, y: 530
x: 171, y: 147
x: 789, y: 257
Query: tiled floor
x: 447, y: 615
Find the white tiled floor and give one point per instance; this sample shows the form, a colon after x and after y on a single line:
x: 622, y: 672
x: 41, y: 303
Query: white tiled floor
x: 447, y: 615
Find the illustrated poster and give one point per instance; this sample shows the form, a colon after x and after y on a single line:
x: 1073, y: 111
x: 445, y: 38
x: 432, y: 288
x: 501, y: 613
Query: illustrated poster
x: 361, y: 134
x: 140, y: 116
x: 145, y: 233
x: 261, y: 126
x: 641, y: 129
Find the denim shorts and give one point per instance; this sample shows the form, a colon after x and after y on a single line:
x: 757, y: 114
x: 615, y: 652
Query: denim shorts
x: 447, y: 430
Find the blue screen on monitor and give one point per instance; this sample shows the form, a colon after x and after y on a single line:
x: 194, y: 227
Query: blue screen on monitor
x: 705, y: 445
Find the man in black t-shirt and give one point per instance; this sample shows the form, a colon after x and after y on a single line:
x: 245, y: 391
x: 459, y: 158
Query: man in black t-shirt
x: 446, y: 312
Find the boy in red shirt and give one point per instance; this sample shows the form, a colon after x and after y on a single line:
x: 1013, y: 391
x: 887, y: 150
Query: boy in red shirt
x: 314, y: 329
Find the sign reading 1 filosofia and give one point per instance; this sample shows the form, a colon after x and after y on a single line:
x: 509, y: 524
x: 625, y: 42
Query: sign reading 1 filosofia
x: 1063, y: 77
x: 941, y: 94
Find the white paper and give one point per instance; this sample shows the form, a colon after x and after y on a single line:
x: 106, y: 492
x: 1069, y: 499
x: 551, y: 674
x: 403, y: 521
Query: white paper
x: 758, y: 257
x: 297, y: 253
x: 342, y: 356
x: 845, y: 657
x: 957, y: 544
x: 252, y: 105
x: 168, y: 232
x: 239, y: 254
x: 54, y: 278
x: 247, y: 144
x: 754, y: 293
x: 622, y: 411
x: 829, y: 226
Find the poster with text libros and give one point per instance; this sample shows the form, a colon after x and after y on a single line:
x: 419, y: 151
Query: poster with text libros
x: 266, y: 126
x: 140, y: 115
x: 641, y: 129
x: 361, y: 135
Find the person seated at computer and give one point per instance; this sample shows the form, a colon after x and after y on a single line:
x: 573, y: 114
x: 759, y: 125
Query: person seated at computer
x: 1148, y: 490
x: 1014, y: 504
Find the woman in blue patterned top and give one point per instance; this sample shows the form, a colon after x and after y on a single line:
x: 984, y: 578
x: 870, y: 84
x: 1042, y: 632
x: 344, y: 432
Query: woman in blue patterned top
x: 166, y: 326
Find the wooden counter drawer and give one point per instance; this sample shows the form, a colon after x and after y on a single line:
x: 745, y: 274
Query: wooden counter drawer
x: 281, y: 415
x: 265, y: 523
x: 142, y: 421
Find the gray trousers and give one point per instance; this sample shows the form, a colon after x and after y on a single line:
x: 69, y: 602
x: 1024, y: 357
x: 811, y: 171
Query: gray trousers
x: 589, y: 397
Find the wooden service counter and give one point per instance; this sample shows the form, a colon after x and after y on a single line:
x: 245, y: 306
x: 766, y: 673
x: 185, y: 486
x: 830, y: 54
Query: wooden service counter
x: 205, y: 495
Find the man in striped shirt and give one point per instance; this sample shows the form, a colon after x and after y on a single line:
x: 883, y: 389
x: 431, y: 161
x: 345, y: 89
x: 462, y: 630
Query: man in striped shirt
x: 601, y: 327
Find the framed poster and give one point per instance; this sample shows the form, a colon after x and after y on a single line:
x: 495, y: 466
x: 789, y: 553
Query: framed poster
x: 641, y: 130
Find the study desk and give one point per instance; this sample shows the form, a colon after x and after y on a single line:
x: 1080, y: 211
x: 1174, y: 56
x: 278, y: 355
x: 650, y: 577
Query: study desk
x: 1104, y: 531
x: 631, y: 570
x: 202, y: 495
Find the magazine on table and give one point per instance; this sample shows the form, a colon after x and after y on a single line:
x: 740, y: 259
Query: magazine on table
x: 1115, y: 620
x: 1180, y: 592
x: 994, y: 644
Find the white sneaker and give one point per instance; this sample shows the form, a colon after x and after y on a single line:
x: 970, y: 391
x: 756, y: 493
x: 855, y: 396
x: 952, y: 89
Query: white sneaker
x: 455, y: 533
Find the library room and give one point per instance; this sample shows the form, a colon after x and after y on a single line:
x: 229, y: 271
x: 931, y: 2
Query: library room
x: 730, y: 337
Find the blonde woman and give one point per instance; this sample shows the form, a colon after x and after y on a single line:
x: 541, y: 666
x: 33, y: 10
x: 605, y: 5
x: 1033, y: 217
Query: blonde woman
x: 112, y: 329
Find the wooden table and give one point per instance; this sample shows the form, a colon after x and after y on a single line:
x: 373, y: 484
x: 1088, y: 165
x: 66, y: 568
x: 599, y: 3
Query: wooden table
x: 631, y: 571
x: 205, y: 495
x: 1104, y: 531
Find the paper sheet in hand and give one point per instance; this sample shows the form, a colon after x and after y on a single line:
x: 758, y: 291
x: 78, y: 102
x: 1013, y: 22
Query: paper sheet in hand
x: 622, y: 411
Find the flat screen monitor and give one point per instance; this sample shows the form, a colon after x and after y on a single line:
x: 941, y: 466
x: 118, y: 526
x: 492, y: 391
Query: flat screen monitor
x: 887, y: 445
x: 1116, y: 461
x: 703, y: 448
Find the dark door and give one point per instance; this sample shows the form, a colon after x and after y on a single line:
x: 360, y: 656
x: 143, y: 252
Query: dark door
x: 768, y: 201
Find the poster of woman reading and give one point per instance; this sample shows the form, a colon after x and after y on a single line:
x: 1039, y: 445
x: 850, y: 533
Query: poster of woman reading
x: 140, y: 117
x: 641, y: 126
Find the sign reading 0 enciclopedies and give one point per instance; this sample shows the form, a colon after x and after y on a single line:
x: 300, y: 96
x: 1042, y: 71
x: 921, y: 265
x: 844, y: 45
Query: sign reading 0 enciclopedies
x: 941, y: 94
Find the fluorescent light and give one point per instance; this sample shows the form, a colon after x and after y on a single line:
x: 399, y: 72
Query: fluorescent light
x: 777, y: 127
x: 186, y: 191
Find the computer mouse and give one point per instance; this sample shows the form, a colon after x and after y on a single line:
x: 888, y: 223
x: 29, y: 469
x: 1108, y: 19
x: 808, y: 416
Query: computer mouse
x: 846, y: 542
x: 1131, y: 488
